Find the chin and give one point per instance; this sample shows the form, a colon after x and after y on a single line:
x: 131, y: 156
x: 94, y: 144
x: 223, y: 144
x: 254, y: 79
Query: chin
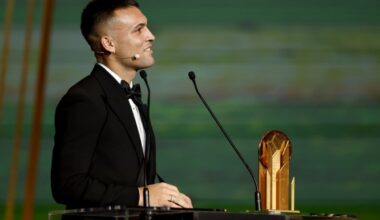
x: 147, y: 63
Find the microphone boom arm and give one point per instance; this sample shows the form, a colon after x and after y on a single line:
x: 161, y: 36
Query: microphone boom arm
x: 257, y: 193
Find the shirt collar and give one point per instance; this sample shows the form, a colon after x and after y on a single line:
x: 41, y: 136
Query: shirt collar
x: 113, y: 74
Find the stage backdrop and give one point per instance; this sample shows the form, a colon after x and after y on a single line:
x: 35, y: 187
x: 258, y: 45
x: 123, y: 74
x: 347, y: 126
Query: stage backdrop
x: 308, y: 68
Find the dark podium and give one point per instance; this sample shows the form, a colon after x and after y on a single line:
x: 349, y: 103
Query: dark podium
x: 123, y: 213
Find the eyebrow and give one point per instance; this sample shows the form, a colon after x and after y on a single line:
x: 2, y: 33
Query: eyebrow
x: 140, y: 25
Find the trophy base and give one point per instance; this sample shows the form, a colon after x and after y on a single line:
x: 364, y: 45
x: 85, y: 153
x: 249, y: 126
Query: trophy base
x: 275, y: 211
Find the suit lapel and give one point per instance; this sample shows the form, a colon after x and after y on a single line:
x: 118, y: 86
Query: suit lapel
x: 119, y: 104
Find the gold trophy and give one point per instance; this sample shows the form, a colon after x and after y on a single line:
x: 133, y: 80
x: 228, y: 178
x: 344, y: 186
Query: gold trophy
x: 275, y: 152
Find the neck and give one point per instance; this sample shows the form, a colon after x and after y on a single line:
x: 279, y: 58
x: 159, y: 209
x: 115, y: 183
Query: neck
x: 125, y: 73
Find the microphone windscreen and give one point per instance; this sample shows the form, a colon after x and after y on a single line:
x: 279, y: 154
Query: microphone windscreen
x: 136, y: 56
x: 192, y: 75
x: 143, y: 74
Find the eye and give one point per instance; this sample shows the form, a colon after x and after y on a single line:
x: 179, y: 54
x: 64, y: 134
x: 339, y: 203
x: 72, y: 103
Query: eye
x: 139, y: 28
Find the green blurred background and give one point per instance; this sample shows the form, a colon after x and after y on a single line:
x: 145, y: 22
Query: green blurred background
x: 308, y: 68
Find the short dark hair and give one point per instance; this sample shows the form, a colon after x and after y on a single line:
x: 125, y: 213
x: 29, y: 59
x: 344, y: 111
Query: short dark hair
x: 98, y: 11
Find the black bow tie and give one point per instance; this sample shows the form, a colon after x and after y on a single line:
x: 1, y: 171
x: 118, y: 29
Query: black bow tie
x: 133, y: 93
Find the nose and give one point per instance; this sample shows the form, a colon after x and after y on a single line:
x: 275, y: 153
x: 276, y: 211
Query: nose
x: 150, y: 36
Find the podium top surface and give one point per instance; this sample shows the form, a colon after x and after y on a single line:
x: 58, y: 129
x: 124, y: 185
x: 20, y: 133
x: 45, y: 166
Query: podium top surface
x: 125, y: 213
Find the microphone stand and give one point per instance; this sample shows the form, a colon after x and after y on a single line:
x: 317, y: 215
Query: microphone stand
x: 143, y: 75
x: 147, y: 214
x: 257, y: 193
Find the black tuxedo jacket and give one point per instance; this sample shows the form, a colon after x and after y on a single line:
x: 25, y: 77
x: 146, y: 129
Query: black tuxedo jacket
x: 97, y: 156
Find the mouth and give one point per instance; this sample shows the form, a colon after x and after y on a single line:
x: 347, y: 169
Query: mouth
x: 149, y: 49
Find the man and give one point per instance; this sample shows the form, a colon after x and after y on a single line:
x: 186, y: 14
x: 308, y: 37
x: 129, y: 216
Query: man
x: 102, y: 133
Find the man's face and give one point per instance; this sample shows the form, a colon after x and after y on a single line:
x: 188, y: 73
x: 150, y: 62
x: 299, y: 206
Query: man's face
x: 131, y: 37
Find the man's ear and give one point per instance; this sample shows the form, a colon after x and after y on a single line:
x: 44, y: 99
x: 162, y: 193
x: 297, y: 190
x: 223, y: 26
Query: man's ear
x: 107, y: 44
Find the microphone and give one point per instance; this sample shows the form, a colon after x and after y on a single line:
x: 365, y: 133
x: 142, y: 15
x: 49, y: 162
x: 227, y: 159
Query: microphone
x: 144, y: 77
x: 146, y: 190
x: 134, y: 57
x: 257, y: 193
